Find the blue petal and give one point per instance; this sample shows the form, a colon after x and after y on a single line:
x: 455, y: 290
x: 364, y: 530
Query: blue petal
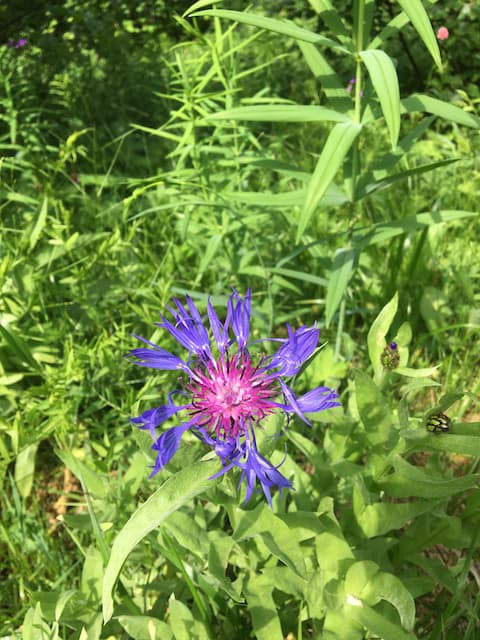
x: 256, y: 467
x: 240, y: 317
x: 220, y: 332
x: 154, y: 417
x: 188, y: 329
x: 297, y: 348
x: 167, y: 445
x: 156, y: 357
x: 313, y: 401
x: 318, y: 399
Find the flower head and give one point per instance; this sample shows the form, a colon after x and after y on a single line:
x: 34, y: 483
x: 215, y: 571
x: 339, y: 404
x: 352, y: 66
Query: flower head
x: 442, y: 33
x: 227, y: 393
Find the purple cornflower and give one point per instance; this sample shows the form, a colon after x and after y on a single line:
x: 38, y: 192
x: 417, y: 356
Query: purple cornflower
x: 227, y: 395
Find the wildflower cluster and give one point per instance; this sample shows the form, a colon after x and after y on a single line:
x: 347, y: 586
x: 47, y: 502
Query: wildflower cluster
x: 226, y: 394
x: 21, y: 42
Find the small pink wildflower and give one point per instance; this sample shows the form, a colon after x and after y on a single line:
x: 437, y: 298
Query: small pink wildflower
x: 442, y: 33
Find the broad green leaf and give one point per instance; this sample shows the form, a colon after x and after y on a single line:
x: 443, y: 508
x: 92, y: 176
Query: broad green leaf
x: 338, y: 626
x: 341, y: 272
x: 376, y: 339
x: 333, y: 552
x: 145, y: 628
x: 331, y: 159
x: 174, y: 493
x: 419, y: 102
x: 451, y: 442
x: 408, y: 480
x: 417, y: 15
x: 262, y: 607
x: 283, y: 27
x: 380, y: 518
x: 385, y: 82
x: 373, y: 410
x: 34, y: 626
x: 25, y: 469
x: 276, y: 535
x: 183, y: 624
x: 281, y: 113
x: 366, y: 582
x: 92, y: 576
x: 376, y: 623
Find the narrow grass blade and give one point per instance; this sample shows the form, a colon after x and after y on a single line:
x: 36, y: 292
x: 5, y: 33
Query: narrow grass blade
x: 419, y: 102
x: 342, y: 269
x: 419, y: 19
x: 385, y: 82
x: 281, y: 113
x: 331, y: 159
x: 283, y: 27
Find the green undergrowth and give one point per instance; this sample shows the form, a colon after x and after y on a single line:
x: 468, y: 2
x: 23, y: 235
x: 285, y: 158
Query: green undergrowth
x: 144, y: 158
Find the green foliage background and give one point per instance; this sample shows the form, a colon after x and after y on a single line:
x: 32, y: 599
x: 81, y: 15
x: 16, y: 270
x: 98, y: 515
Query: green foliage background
x: 121, y: 185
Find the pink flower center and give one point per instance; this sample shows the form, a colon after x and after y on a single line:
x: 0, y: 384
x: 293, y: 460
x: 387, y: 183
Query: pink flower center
x: 230, y: 395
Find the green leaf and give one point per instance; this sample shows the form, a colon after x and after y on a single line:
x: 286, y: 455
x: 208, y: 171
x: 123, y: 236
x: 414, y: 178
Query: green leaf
x: 174, y: 493
x: 380, y: 518
x: 209, y: 253
x: 415, y: 373
x: 366, y: 582
x: 331, y: 17
x: 373, y: 410
x: 370, y: 187
x: 263, y: 523
x: 332, y: 85
x: 341, y: 272
x: 464, y: 444
x: 145, y: 628
x: 37, y: 229
x: 419, y: 102
x: 386, y: 230
x: 283, y: 27
x: 199, y: 5
x: 183, y: 624
x: 262, y: 607
x: 34, y: 626
x: 377, y: 334
x: 376, y: 623
x: 281, y: 113
x: 336, y: 148
x: 333, y: 197
x: 20, y: 349
x: 25, y: 469
x: 408, y: 480
x: 419, y: 19
x: 385, y: 82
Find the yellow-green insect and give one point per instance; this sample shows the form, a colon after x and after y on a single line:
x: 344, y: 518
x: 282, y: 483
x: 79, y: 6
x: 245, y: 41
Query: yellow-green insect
x: 439, y: 423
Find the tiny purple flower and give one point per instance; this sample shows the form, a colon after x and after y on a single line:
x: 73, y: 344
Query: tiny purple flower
x: 21, y: 42
x: 227, y: 395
